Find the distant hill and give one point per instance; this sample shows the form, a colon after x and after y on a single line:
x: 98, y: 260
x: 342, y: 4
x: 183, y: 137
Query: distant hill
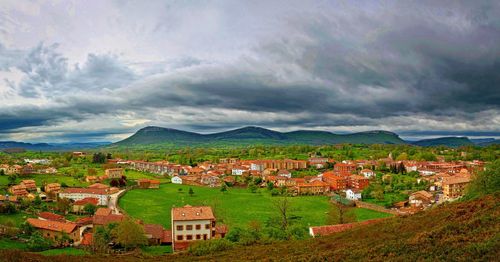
x: 254, y: 135
x: 8, y: 146
x: 445, y: 141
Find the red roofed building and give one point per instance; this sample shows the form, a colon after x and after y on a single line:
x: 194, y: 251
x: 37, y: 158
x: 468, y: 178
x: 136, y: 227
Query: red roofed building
x: 335, y: 181
x: 79, y: 205
x: 357, y: 182
x: 345, y: 168
x: 313, y: 188
x: 29, y: 184
x: 76, y: 193
x: 104, y: 216
x: 191, y: 224
x: 51, y: 217
x: 55, y: 230
x: 154, y: 233
x: 332, y: 229
x: 18, y: 190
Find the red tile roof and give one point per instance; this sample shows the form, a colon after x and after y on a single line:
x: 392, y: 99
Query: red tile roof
x: 87, y: 200
x: 51, y: 216
x: 156, y: 231
x: 67, y: 227
x: 192, y: 213
x: 78, y: 190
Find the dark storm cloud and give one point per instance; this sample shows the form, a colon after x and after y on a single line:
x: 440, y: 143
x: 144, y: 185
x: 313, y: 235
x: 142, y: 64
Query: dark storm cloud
x: 400, y: 65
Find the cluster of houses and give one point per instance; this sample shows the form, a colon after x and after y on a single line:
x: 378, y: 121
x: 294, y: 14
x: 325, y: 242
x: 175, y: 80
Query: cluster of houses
x: 28, y: 188
x: 188, y: 224
x: 110, y: 173
x: 27, y: 169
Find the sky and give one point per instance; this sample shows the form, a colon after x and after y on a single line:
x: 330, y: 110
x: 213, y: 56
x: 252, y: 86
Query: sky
x: 96, y: 70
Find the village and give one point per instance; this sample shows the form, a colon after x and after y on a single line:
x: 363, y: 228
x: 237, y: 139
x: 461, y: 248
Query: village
x: 97, y: 205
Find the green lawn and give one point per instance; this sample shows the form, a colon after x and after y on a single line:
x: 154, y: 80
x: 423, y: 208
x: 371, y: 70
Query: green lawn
x: 156, y: 250
x: 389, y: 198
x: 366, y: 214
x: 236, y: 207
x: 11, y: 244
x: 48, y: 178
x: 134, y: 175
x: 64, y: 251
x: 16, y: 219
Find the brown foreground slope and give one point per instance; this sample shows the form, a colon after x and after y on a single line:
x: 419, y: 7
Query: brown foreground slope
x: 460, y: 231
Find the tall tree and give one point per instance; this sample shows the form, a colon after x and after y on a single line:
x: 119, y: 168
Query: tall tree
x: 130, y: 234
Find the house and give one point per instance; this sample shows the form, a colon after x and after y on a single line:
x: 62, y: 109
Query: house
x: 357, y: 182
x: 18, y: 190
x: 284, y: 173
x: 238, y: 171
x: 211, y: 181
x: 335, y: 181
x: 421, y: 199
x: 76, y: 193
x: 318, y: 162
x: 29, y: 184
x: 176, y: 180
x: 367, y: 173
x: 7, y: 198
x: 79, y: 154
x: 52, y: 188
x: 453, y: 187
x: 99, y: 186
x: 91, y: 179
x: 28, y: 169
x: 154, y: 233
x: 344, y: 168
x: 104, y: 216
x: 114, y: 172
x: 332, y: 229
x: 79, y: 205
x: 257, y: 166
x: 191, y: 224
x: 51, y: 216
x: 56, y: 230
x: 313, y: 188
x: 148, y: 183
x: 353, y: 194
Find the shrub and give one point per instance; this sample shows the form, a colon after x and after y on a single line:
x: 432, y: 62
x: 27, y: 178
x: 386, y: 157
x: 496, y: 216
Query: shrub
x: 201, y: 248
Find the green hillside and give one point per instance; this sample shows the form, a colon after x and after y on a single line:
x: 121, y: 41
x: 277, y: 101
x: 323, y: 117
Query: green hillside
x: 159, y: 136
x: 445, y: 141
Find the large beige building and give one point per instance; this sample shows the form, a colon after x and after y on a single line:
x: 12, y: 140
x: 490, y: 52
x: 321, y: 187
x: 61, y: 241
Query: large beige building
x: 191, y: 224
x: 114, y: 172
x: 454, y: 186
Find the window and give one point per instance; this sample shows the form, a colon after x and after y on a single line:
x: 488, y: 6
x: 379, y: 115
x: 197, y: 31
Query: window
x: 179, y: 237
x: 180, y: 228
x: 189, y: 227
x: 189, y: 237
x: 213, y: 233
x: 204, y: 236
x: 198, y: 236
x: 213, y: 223
x: 207, y: 226
x: 198, y: 227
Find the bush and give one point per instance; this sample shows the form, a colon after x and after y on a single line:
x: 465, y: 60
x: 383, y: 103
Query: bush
x: 208, y: 247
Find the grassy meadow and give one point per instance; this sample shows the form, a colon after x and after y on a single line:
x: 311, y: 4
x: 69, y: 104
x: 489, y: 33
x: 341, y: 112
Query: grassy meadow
x: 236, y: 207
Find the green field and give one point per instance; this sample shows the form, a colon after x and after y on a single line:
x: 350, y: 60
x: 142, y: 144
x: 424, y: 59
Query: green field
x: 235, y: 207
x: 366, y: 214
x: 156, y: 250
x: 15, y: 219
x: 11, y: 244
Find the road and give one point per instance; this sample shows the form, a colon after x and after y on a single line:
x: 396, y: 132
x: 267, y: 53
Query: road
x: 113, y: 202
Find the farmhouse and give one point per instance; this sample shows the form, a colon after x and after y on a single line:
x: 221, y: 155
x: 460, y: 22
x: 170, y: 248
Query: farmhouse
x: 55, y: 230
x: 191, y: 224
x: 104, y: 216
x: 18, y: 190
x: 421, y: 199
x: 79, y: 205
x: 176, y: 180
x: 76, y: 193
x: 314, y: 188
x: 51, y: 217
x: 454, y: 187
x: 154, y: 233
x: 367, y: 173
x: 29, y: 184
x: 148, y: 183
x: 114, y: 172
x: 353, y: 194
